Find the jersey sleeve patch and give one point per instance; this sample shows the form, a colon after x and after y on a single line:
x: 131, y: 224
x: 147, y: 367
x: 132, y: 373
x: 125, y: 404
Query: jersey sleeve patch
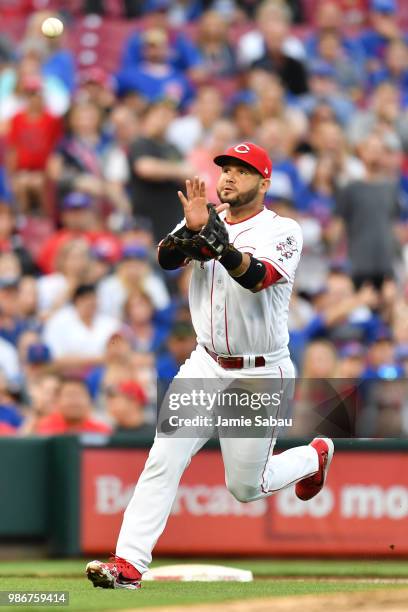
x: 287, y: 247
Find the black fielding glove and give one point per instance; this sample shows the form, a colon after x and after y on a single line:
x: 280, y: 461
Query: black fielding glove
x: 209, y: 243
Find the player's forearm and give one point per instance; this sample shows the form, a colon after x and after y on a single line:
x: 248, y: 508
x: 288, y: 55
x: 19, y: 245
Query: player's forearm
x: 152, y: 169
x: 337, y: 313
x: 247, y: 271
x: 75, y: 362
x: 169, y: 256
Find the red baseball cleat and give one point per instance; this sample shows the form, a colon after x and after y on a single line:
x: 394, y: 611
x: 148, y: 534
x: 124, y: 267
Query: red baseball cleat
x: 310, y: 486
x: 116, y: 574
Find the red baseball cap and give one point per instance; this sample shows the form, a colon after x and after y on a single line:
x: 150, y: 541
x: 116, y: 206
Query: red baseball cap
x: 132, y: 390
x: 250, y: 154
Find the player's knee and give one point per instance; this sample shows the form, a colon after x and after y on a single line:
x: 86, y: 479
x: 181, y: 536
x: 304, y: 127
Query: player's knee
x: 241, y: 491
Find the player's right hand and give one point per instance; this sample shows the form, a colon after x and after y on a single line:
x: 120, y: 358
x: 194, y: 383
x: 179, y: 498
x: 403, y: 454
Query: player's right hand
x: 195, y: 204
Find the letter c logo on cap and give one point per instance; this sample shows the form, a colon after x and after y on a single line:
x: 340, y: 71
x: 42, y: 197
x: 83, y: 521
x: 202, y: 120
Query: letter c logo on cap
x: 242, y: 148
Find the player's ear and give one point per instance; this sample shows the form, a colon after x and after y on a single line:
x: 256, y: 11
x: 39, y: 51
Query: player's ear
x: 265, y: 184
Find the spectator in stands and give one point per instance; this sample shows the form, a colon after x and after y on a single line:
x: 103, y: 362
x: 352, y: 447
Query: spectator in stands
x: 367, y: 210
x: 12, y: 324
x: 125, y: 404
x: 325, y: 90
x: 72, y: 269
x: 383, y: 114
x: 32, y: 136
x: 316, y: 203
x: 319, y: 361
x: 187, y: 131
x: 148, y: 331
x: 321, y: 113
x: 59, y: 62
x: 278, y: 139
x: 380, y: 355
x: 116, y: 365
x: 384, y: 29
x: 155, y: 77
x: 394, y: 70
x: 11, y: 240
x: 180, y: 343
x: 219, y: 55
x: 320, y: 406
x: 329, y: 22
x: 158, y: 170
x: 327, y: 141
x: 124, y: 126
x: 245, y: 115
x: 137, y: 230
x: 75, y: 220
x: 72, y: 413
x: 97, y: 87
x: 351, y: 361
x: 42, y: 397
x: 80, y: 161
x: 184, y: 55
x: 12, y: 99
x: 317, y: 199
x: 271, y: 102
x: 133, y: 271
x: 275, y: 57
x: 342, y: 314
x: 300, y: 315
x: 280, y: 198
x: 79, y: 219
x: 101, y: 264
x: 252, y: 45
x: 37, y: 363
x: 77, y: 334
x: 348, y: 73
x: 222, y: 135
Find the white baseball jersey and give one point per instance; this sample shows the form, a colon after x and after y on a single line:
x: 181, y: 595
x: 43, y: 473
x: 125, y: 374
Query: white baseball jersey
x: 231, y: 320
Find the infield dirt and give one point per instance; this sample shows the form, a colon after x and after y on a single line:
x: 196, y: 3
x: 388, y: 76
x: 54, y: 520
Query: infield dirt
x: 365, y: 601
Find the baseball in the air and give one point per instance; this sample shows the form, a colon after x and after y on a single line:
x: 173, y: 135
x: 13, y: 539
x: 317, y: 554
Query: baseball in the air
x: 52, y: 27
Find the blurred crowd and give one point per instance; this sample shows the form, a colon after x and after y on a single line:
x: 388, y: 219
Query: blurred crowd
x: 90, y: 165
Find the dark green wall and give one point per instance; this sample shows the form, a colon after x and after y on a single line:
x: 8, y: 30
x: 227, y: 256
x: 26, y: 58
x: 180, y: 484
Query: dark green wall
x: 40, y: 484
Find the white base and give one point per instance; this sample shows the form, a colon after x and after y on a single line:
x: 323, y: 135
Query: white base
x: 198, y: 573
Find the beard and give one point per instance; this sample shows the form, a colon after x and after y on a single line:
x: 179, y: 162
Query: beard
x: 235, y: 200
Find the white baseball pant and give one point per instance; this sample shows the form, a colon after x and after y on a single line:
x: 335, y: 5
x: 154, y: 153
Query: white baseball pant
x: 251, y: 470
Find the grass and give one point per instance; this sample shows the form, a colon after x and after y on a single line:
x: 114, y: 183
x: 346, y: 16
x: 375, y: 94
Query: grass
x: 68, y: 575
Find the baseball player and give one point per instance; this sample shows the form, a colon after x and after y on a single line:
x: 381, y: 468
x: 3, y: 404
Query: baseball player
x: 244, y: 258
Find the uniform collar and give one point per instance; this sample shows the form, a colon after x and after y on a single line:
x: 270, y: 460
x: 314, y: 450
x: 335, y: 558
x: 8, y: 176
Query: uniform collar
x: 243, y: 220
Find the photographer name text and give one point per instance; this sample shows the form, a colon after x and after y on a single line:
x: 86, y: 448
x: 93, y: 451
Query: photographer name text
x: 220, y: 421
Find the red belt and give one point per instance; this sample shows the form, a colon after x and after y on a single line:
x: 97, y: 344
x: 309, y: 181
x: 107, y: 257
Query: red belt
x: 234, y: 363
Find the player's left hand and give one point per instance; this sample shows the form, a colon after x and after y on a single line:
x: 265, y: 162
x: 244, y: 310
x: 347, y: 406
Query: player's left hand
x: 195, y: 204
